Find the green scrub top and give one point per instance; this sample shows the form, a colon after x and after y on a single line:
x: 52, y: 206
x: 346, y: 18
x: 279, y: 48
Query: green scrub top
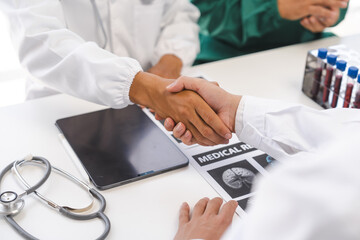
x: 230, y: 28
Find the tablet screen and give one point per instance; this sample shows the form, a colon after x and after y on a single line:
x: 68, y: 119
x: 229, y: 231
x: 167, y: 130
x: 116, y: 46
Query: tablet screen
x: 118, y: 146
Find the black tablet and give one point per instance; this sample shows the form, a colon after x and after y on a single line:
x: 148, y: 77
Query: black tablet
x: 118, y: 146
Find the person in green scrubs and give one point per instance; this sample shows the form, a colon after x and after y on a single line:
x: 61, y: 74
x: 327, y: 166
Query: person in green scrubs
x: 230, y: 28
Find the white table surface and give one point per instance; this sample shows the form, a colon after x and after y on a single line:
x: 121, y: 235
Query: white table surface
x: 147, y: 209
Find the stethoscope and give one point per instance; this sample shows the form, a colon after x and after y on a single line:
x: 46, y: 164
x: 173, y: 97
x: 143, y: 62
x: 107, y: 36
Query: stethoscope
x: 98, y: 18
x: 100, y: 21
x: 12, y: 203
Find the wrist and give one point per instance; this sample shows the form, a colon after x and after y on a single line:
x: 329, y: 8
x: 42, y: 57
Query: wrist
x: 147, y: 89
x: 172, y: 61
x: 169, y: 66
x: 142, y: 87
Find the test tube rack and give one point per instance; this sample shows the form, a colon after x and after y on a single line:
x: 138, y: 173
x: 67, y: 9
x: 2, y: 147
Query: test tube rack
x: 342, y: 52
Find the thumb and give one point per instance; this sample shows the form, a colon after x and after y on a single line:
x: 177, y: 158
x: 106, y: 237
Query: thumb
x: 215, y: 83
x: 185, y: 83
x: 176, y: 86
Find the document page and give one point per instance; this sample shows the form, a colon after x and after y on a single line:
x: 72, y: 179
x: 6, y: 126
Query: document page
x: 230, y: 169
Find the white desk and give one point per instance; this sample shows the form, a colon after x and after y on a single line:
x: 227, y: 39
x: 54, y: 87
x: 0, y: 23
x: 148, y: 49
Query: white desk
x: 147, y: 209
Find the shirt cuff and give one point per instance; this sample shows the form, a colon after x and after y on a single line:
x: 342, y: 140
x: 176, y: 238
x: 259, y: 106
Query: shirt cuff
x: 239, y: 116
x: 134, y: 69
x: 250, y: 125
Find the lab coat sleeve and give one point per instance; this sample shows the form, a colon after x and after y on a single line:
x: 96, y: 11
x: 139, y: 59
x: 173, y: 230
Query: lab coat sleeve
x: 64, y: 61
x: 282, y: 130
x: 179, y: 32
x: 315, y: 196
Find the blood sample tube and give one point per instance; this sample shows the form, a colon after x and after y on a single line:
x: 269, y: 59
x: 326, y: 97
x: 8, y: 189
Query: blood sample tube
x: 331, y: 60
x: 352, y: 74
x: 322, y: 52
x: 340, y: 68
x: 356, y: 103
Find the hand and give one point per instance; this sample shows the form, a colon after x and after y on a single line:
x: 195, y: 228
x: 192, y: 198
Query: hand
x: 186, y: 106
x: 206, y: 221
x: 318, y: 24
x: 223, y: 103
x: 298, y: 9
x: 169, y: 66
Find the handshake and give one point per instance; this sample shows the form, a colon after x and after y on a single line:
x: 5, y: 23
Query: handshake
x: 197, y: 111
x: 314, y: 15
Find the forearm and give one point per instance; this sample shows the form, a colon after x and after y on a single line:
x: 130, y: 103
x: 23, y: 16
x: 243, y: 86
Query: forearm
x: 283, y: 130
x: 260, y: 17
x: 64, y: 61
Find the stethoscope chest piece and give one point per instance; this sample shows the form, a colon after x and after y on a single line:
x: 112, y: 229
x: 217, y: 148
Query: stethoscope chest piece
x: 10, y: 203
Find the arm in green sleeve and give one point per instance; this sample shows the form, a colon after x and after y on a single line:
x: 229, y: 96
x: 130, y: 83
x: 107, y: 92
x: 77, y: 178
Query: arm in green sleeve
x: 259, y: 17
x: 342, y: 16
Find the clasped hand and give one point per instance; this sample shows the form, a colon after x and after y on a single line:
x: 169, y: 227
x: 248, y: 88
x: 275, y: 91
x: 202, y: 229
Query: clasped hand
x: 220, y: 102
x: 315, y: 15
x: 205, y: 125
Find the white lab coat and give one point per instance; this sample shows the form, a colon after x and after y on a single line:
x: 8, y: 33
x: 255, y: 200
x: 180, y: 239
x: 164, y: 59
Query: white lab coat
x: 314, y: 193
x: 58, y: 43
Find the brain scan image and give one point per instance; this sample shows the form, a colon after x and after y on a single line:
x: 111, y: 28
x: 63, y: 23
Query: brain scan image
x: 238, y: 177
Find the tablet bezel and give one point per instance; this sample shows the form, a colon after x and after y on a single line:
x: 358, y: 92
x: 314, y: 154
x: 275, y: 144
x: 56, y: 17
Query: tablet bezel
x: 62, y: 127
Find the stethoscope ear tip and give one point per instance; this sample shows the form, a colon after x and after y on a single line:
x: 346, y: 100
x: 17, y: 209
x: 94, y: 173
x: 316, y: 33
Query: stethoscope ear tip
x: 28, y: 157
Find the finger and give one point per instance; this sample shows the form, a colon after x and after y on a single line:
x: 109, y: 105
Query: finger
x: 228, y: 209
x: 328, y: 22
x: 213, y: 206
x: 185, y: 83
x: 184, y: 215
x: 212, y: 120
x: 158, y: 117
x: 179, y: 130
x: 306, y: 24
x: 331, y: 3
x: 215, y: 83
x: 320, y: 11
x: 187, y: 138
x: 198, y: 137
x: 169, y: 124
x: 176, y: 86
x: 305, y: 21
x: 205, y: 112
x: 316, y: 24
x: 324, y: 22
x: 200, y: 207
x: 193, y: 117
x: 207, y: 132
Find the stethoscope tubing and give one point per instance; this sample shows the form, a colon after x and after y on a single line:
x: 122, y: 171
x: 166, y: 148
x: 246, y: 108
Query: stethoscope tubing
x: 61, y: 172
x: 64, y: 210
x: 41, y: 181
